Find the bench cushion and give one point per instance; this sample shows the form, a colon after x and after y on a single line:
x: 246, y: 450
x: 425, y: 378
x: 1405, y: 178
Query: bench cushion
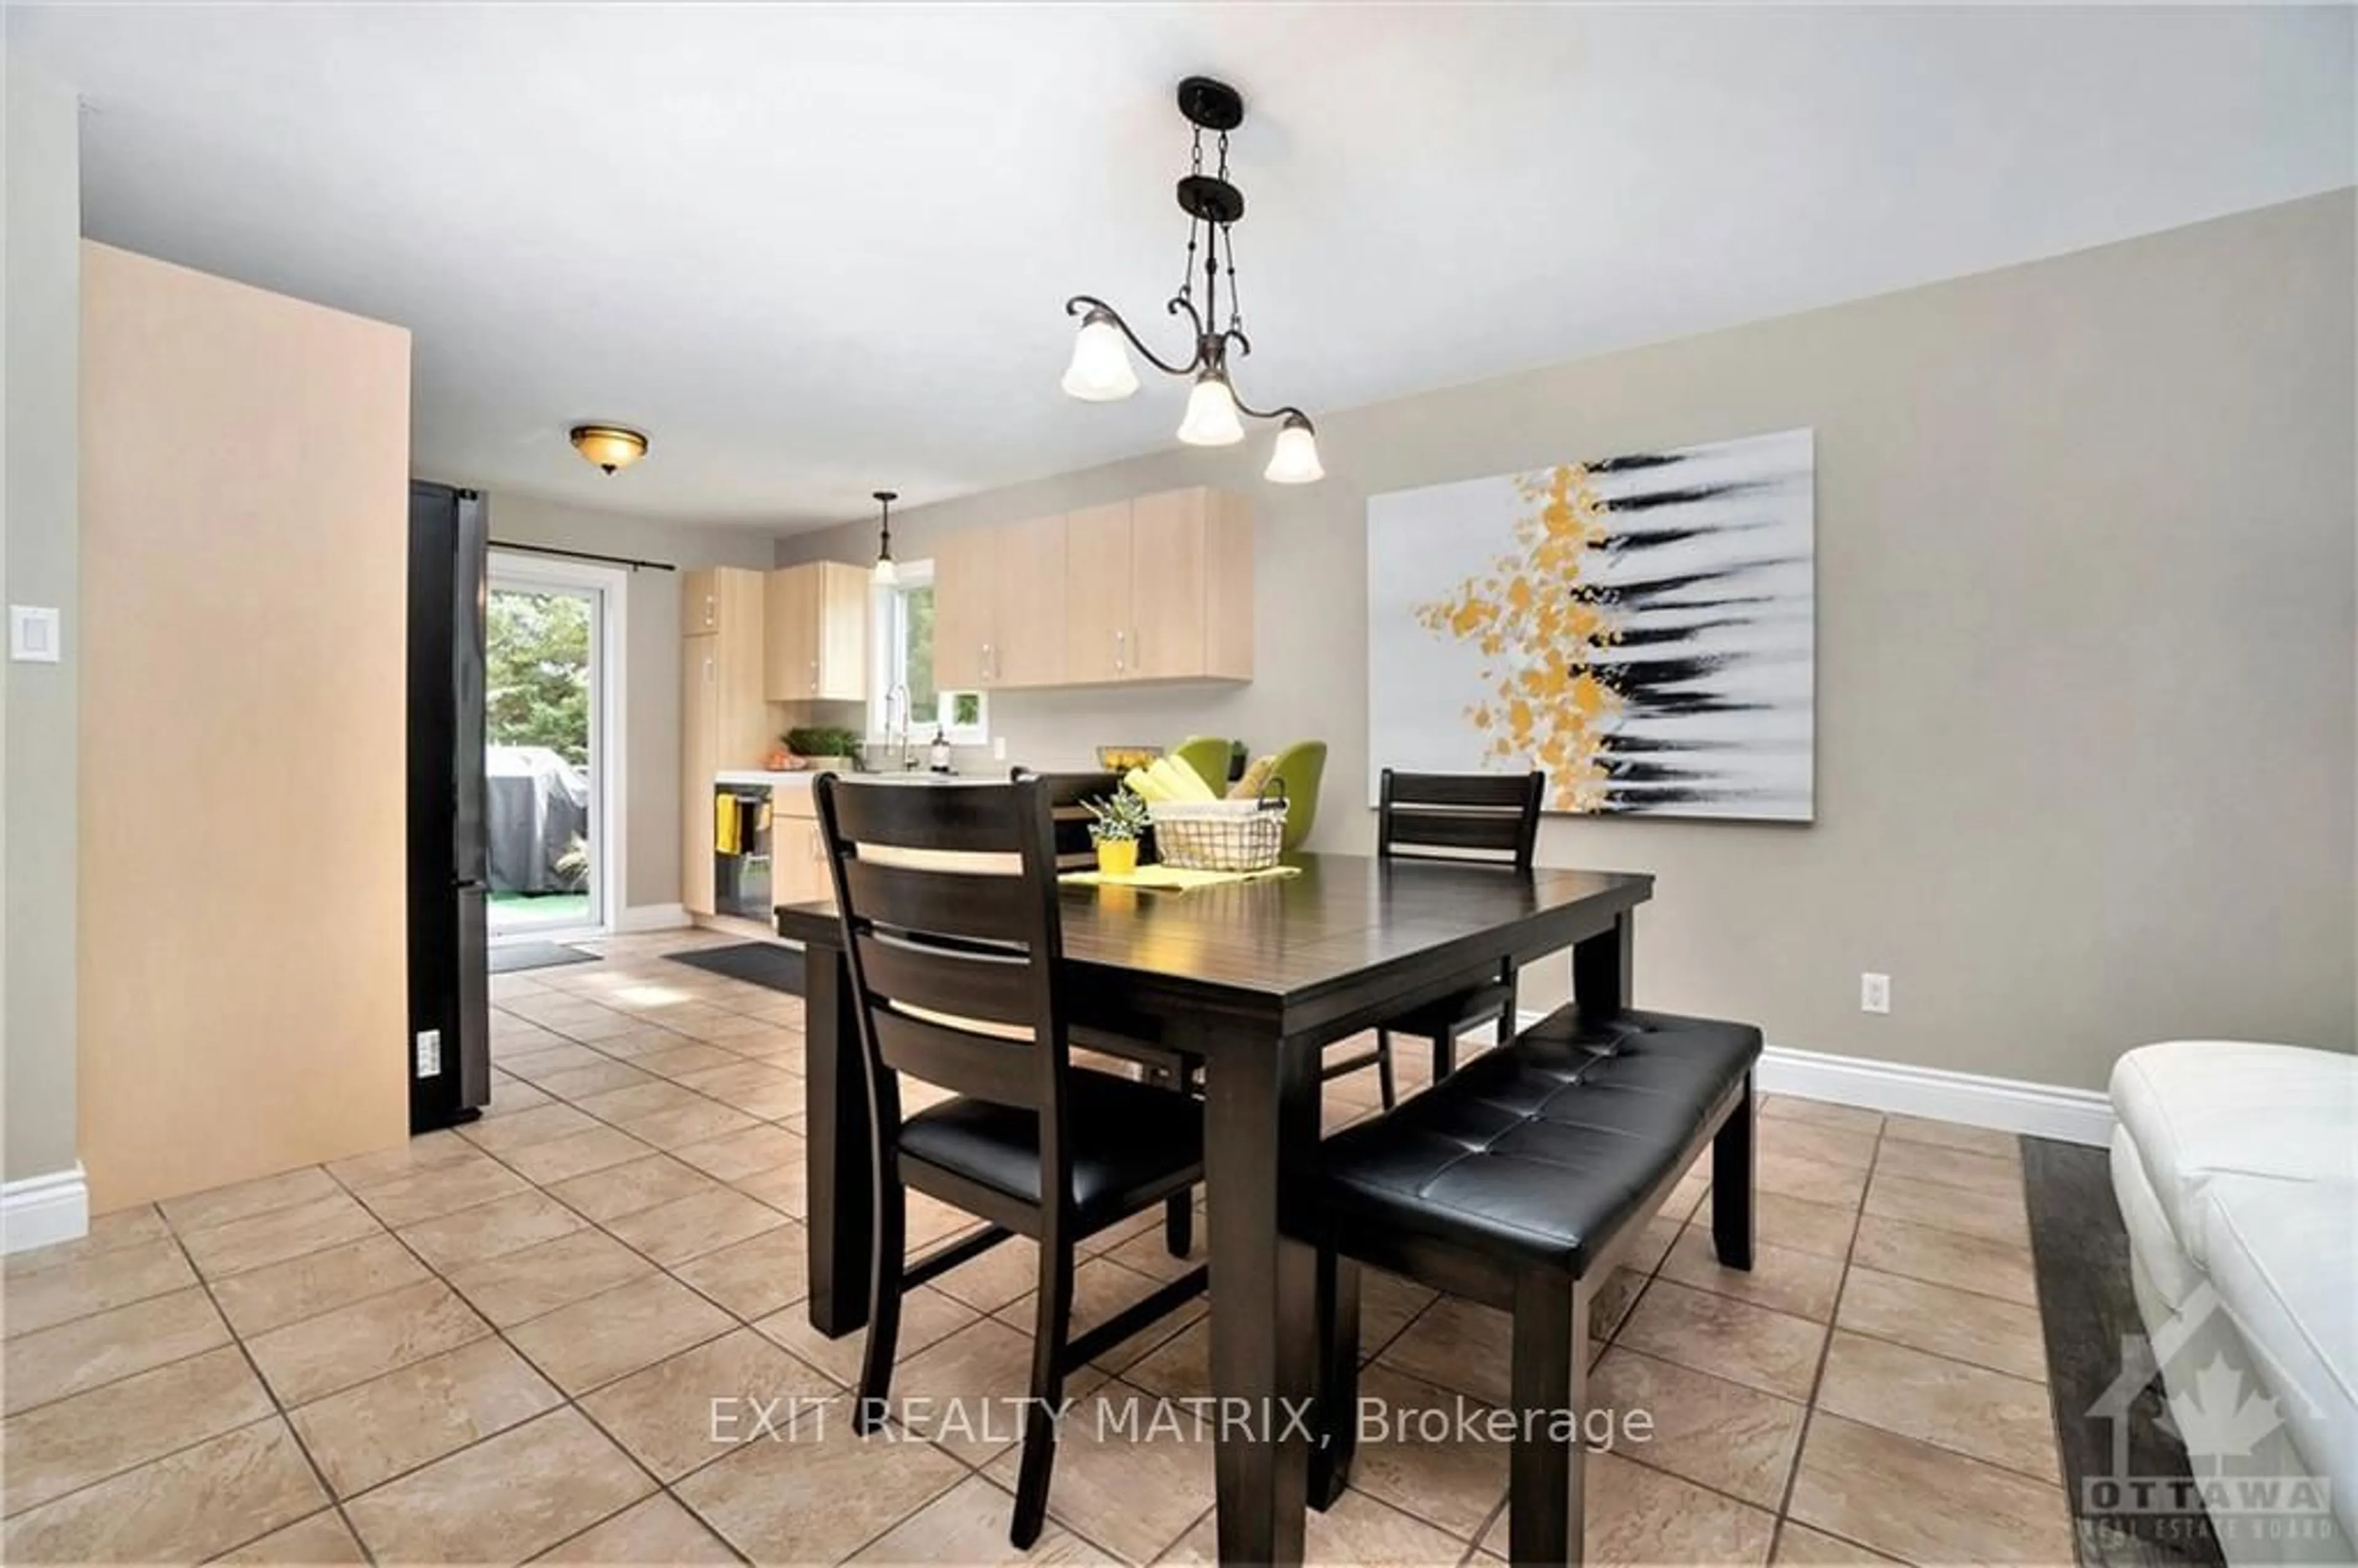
x: 1542, y: 1151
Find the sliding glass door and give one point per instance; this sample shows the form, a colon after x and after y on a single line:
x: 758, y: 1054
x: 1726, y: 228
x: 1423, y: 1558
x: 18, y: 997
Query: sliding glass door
x: 547, y: 713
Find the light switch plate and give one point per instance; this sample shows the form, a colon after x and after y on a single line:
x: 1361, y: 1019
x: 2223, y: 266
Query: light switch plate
x: 33, y: 634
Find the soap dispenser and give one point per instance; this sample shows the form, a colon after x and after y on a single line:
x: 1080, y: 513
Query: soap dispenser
x: 937, y: 756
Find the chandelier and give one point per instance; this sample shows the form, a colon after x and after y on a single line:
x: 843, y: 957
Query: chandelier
x: 1101, y: 370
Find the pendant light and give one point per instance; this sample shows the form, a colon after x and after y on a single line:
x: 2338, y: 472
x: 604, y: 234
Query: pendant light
x: 887, y: 573
x: 1101, y: 370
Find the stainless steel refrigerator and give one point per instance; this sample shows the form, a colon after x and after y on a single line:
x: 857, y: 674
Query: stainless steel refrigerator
x: 449, y: 983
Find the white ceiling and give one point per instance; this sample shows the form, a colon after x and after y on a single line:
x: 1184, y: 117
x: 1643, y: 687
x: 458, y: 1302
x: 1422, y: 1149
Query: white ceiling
x: 816, y: 250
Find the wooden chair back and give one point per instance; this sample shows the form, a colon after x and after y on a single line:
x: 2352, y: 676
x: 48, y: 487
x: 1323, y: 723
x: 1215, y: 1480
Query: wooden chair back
x: 1460, y: 816
x: 947, y: 894
x: 1076, y: 850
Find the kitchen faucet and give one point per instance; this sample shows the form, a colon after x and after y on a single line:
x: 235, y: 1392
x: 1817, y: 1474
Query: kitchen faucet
x: 896, y: 740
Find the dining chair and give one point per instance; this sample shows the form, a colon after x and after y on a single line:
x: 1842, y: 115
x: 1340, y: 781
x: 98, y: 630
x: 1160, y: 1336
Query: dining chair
x: 1172, y: 1070
x: 1300, y: 768
x: 948, y: 897
x: 1481, y: 818
x: 1208, y: 755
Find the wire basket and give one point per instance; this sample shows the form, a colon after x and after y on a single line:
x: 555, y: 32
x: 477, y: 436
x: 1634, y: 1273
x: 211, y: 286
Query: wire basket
x: 1221, y: 834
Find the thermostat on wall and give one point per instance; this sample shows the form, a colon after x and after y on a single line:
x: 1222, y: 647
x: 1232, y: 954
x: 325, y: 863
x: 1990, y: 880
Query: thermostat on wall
x: 33, y: 634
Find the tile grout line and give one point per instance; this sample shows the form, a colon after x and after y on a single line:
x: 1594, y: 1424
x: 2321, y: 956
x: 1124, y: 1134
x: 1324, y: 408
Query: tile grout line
x: 566, y: 1401
x: 436, y: 1272
x: 276, y: 1404
x: 1825, y: 1350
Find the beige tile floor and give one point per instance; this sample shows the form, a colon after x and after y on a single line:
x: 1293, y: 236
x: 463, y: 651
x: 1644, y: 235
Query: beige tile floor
x: 502, y: 1343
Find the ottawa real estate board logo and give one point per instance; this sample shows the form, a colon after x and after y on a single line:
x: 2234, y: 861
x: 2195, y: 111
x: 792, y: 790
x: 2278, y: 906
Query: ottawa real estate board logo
x: 2244, y: 1482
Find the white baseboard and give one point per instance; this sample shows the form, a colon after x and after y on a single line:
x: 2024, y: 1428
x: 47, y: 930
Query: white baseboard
x: 2009, y: 1105
x: 38, y: 1210
x: 653, y: 917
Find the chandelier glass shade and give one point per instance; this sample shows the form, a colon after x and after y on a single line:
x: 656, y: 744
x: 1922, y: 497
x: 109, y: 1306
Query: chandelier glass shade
x: 1102, y: 372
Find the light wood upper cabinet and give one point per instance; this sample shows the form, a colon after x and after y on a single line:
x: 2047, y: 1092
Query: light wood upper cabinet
x: 1000, y: 606
x: 700, y: 600
x: 966, y: 607
x: 1098, y: 594
x: 815, y: 633
x: 1160, y: 589
x: 1027, y: 643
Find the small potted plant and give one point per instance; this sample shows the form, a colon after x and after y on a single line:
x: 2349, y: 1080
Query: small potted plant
x: 824, y: 748
x: 1116, y: 825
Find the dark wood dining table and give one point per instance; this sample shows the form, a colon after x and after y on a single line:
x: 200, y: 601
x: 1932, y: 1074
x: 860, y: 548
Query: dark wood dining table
x: 1254, y: 978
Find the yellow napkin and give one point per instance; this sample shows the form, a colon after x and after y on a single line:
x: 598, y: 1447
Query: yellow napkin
x: 1175, y: 878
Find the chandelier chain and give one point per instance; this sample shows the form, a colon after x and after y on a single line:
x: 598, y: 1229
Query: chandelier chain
x: 1187, y: 273
x: 1236, y: 300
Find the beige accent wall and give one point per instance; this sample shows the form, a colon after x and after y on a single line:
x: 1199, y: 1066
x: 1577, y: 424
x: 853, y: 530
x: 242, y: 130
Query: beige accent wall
x: 651, y: 625
x: 2087, y: 604
x: 42, y: 272
x: 244, y: 468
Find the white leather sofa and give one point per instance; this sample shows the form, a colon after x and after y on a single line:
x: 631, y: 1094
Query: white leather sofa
x: 2236, y: 1167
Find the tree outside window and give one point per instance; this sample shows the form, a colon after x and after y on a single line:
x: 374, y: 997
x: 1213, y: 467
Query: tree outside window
x: 537, y: 672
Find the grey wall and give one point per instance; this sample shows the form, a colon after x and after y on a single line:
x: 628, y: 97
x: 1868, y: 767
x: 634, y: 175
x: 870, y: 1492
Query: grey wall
x: 43, y: 314
x: 651, y: 746
x: 2087, y: 607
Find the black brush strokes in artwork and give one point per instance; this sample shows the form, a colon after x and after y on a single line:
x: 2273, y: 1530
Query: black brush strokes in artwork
x: 1647, y: 499
x: 1632, y: 462
x: 1657, y: 637
x: 1649, y: 592
x: 1637, y: 802
x: 1630, y: 544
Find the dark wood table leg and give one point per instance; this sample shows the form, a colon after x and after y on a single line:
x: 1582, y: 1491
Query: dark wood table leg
x: 1338, y: 1379
x: 1732, y: 1156
x: 1261, y: 1117
x: 836, y: 1151
x: 1601, y: 968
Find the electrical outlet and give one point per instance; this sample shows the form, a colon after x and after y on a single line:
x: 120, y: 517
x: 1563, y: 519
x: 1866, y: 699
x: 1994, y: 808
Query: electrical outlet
x: 1874, y: 993
x: 429, y: 1053
x: 999, y: 748
x: 33, y: 634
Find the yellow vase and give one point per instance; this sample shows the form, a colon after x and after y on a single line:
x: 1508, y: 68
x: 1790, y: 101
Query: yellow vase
x: 1117, y: 857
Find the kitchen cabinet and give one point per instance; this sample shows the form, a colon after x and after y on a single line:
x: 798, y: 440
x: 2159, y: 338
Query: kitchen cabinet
x: 1160, y: 588
x: 815, y: 633
x: 798, y: 872
x: 700, y: 600
x: 724, y: 721
x: 1000, y: 606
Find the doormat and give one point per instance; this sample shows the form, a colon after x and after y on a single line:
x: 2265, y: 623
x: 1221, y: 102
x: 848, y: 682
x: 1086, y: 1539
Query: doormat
x: 762, y: 963
x: 2080, y: 1248
x: 507, y: 958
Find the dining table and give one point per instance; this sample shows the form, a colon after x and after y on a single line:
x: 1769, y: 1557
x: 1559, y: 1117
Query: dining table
x: 1252, y: 979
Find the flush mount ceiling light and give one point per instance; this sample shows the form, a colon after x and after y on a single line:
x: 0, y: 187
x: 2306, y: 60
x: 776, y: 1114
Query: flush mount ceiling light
x: 1101, y: 370
x: 612, y: 447
x: 887, y: 573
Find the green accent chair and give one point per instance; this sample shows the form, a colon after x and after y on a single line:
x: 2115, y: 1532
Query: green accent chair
x: 1208, y: 755
x: 1300, y: 766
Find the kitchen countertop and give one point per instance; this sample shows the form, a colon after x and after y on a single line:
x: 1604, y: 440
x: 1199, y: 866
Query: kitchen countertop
x: 759, y: 777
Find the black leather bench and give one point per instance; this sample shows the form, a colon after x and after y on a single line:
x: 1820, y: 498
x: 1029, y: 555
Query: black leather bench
x: 1517, y: 1182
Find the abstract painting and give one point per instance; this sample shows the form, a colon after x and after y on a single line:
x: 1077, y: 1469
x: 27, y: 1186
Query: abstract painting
x: 1643, y: 628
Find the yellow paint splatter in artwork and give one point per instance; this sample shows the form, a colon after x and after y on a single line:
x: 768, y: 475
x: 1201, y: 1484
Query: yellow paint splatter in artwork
x: 1539, y: 637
